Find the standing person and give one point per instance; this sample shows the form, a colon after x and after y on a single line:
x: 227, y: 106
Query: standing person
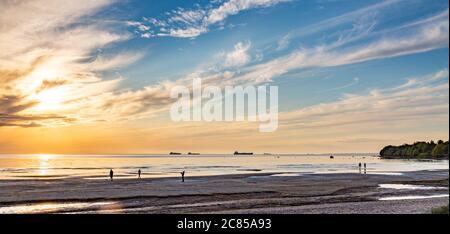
x: 182, y: 176
x: 359, y: 168
x: 365, y: 168
x: 111, y: 174
x: 139, y: 173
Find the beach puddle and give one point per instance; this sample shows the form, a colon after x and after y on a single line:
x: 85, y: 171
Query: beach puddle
x: 412, y: 197
x: 408, y: 187
x: 52, y: 207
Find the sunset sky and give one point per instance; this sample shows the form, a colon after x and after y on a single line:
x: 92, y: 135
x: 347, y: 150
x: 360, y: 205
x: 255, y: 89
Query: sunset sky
x: 94, y: 77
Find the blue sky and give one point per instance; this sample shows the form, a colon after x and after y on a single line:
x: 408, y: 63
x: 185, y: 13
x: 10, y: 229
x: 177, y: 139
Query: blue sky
x: 362, y: 67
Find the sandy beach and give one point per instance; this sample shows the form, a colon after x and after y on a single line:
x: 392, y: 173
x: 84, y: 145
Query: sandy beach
x: 408, y: 192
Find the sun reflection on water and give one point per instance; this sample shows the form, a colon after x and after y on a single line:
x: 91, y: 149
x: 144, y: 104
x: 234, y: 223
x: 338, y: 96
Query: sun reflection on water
x: 44, y: 163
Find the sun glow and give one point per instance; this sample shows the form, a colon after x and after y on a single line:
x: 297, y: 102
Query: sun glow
x: 47, y: 94
x: 50, y: 99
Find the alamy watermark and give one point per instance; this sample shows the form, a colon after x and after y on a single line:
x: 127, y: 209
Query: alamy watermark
x: 233, y: 103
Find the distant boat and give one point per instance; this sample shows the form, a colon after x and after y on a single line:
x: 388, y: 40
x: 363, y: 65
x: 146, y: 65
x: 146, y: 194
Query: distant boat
x: 175, y: 153
x: 267, y: 154
x: 190, y: 153
x: 242, y: 153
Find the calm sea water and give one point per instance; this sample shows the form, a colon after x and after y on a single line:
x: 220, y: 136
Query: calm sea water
x: 46, y: 166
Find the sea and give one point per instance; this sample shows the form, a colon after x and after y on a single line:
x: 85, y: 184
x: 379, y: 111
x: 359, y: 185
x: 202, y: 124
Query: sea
x: 52, y: 166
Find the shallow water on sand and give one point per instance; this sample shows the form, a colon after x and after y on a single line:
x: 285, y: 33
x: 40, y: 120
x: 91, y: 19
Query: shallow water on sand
x: 45, y: 166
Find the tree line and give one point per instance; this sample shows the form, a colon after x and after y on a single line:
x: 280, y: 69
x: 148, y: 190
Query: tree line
x: 419, y: 149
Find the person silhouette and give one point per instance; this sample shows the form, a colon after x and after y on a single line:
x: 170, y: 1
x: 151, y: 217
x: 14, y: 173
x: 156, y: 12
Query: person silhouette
x: 359, y: 168
x: 182, y: 176
x: 139, y: 173
x: 365, y: 168
x: 111, y: 174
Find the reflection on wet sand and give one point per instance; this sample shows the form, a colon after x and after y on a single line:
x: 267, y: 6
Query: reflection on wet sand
x: 56, y: 207
x: 412, y: 197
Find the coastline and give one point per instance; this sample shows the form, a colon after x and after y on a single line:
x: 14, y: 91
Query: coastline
x: 244, y: 193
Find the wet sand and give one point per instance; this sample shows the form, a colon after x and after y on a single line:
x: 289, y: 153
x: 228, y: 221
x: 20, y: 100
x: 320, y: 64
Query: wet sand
x: 372, y: 207
x: 249, y: 193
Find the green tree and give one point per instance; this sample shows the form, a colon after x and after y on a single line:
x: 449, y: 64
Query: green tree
x: 420, y: 149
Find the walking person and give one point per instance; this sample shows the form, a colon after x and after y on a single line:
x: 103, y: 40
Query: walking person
x: 182, y: 176
x: 359, y: 168
x: 139, y: 173
x: 365, y: 168
x: 111, y: 174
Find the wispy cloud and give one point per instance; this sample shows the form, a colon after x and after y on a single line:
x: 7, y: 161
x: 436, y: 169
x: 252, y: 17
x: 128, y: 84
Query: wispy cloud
x: 352, y: 83
x: 283, y: 43
x: 343, y: 19
x: 190, y: 23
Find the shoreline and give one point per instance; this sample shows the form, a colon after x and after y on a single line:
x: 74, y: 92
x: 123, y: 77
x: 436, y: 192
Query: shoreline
x: 253, y: 192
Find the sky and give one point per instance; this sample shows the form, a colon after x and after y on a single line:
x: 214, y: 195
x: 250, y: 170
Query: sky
x: 94, y: 77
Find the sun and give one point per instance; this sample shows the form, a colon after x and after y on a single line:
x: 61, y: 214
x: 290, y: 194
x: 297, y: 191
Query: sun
x: 49, y: 99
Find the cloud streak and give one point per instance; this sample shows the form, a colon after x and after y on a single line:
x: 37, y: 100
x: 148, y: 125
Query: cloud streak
x: 190, y: 23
